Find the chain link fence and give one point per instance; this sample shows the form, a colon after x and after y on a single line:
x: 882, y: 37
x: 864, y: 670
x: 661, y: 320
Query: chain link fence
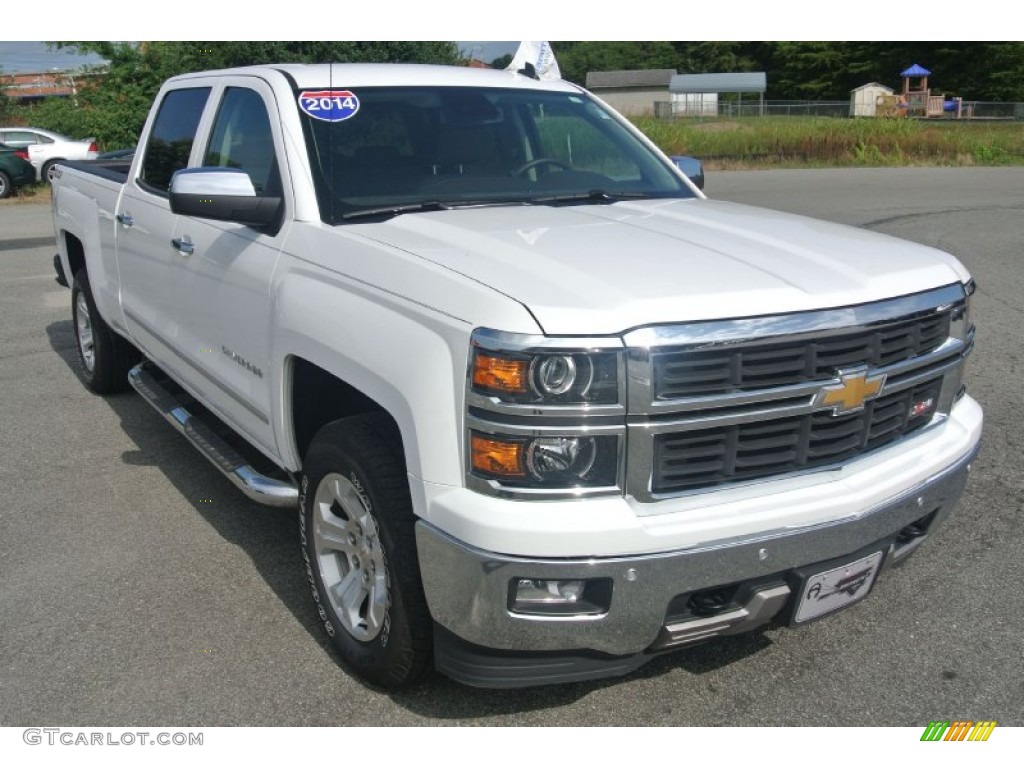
x: 972, y: 110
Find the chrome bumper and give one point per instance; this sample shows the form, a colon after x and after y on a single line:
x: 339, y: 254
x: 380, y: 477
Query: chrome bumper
x: 468, y: 589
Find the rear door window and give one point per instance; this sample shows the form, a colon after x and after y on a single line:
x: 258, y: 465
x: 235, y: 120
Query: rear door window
x: 170, y: 141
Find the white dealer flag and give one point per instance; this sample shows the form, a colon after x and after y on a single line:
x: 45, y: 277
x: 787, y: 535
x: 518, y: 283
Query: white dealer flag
x: 539, y: 54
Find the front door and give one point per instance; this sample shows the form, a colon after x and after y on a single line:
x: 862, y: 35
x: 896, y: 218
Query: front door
x: 223, y: 285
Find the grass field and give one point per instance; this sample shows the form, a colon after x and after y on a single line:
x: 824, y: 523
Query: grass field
x: 796, y: 142
x: 812, y: 142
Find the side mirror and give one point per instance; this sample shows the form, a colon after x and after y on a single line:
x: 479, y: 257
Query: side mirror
x: 691, y: 167
x: 223, y: 194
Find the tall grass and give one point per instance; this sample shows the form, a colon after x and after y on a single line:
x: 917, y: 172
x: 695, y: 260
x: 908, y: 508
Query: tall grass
x: 799, y: 141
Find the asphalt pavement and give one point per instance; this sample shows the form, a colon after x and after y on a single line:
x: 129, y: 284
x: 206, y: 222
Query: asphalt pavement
x: 137, y: 586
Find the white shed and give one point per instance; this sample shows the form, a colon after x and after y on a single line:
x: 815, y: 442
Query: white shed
x: 864, y: 99
x: 691, y: 92
x: 694, y: 104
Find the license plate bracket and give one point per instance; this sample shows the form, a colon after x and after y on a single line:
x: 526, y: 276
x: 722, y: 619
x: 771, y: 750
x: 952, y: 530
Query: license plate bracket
x: 831, y: 587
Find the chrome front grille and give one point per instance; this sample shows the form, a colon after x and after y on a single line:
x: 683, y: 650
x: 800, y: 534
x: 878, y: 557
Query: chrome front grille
x: 717, y: 403
x: 691, y: 372
x: 708, y: 457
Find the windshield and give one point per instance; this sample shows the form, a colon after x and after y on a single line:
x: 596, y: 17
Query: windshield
x: 390, y: 150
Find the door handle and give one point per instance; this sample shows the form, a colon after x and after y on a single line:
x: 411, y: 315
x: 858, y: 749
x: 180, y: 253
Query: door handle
x: 125, y: 219
x: 183, y: 245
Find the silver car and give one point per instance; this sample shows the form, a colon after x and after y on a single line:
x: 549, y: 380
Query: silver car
x: 46, y: 148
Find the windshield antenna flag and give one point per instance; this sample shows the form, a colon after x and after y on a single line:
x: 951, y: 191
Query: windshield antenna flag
x: 535, y: 59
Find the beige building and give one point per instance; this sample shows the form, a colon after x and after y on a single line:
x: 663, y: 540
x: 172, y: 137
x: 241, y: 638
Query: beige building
x: 632, y: 91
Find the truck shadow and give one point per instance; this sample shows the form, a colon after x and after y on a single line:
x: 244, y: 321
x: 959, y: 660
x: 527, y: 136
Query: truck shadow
x: 270, y: 539
x: 268, y: 536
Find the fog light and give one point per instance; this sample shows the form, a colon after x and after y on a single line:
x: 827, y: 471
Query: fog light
x: 545, y: 591
x: 560, y: 597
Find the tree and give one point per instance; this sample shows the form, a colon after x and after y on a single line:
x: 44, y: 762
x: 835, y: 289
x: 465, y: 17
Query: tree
x: 576, y: 59
x: 4, y: 101
x: 114, y: 108
x: 826, y: 70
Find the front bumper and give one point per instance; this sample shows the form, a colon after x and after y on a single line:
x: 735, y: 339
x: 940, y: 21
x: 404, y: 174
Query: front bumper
x: 467, y: 589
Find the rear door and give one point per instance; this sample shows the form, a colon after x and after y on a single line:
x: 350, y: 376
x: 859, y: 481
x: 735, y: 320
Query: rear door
x: 148, y: 263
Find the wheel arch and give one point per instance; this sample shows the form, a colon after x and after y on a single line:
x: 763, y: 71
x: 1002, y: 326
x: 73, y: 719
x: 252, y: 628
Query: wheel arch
x: 413, y: 374
x: 318, y: 398
x: 73, y: 254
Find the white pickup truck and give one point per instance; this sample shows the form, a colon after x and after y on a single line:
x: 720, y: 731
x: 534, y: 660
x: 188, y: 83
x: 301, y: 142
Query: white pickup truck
x: 544, y: 409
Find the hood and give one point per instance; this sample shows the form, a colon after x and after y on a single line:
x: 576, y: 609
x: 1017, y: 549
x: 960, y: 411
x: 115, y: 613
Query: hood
x: 605, y: 269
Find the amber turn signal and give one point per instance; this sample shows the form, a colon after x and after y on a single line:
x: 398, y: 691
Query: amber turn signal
x: 499, y: 374
x: 497, y: 457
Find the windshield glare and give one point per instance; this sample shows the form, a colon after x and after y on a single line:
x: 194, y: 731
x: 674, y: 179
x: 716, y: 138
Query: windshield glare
x: 465, y: 146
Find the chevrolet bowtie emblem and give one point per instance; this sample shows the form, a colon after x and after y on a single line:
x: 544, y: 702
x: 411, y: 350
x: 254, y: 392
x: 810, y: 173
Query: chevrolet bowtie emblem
x: 856, y: 386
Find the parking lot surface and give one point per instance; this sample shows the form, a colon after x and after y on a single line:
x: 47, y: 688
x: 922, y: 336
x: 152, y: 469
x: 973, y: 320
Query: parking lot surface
x: 137, y: 586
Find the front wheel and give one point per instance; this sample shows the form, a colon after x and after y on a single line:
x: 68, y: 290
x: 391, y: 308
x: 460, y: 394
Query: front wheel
x: 359, y: 549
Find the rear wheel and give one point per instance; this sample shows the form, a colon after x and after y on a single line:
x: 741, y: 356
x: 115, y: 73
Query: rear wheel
x: 5, y: 185
x: 359, y: 549
x: 105, y: 357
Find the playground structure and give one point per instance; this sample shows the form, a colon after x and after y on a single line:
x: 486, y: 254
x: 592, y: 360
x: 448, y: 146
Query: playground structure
x: 917, y: 99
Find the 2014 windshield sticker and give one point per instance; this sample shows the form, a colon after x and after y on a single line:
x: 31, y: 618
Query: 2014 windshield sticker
x: 329, y: 106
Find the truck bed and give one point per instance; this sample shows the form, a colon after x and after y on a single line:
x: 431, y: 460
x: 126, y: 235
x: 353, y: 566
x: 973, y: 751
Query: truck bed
x: 113, y: 170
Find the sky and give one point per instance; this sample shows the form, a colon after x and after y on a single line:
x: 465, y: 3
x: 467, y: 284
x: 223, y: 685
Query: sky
x: 36, y: 57
x: 25, y: 56
x: 560, y: 20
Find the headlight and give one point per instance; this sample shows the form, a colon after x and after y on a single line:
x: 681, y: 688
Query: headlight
x: 545, y: 417
x: 564, y: 462
x: 518, y: 373
x: 969, y: 289
x: 962, y: 322
x: 565, y: 379
x: 963, y: 327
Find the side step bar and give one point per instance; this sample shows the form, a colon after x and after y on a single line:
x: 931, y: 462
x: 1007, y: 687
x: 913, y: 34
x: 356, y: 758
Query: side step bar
x: 260, y: 488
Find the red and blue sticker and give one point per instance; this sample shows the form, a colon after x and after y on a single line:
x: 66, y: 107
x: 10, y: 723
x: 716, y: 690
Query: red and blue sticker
x: 330, y: 106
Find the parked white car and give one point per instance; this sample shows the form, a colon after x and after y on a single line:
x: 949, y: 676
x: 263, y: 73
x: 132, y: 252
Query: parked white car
x: 46, y: 148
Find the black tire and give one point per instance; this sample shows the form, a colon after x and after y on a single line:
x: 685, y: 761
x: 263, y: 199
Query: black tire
x: 104, y: 357
x: 46, y: 170
x: 353, y: 482
x: 6, y: 188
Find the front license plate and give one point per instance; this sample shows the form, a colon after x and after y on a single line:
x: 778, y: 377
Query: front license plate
x: 838, y: 588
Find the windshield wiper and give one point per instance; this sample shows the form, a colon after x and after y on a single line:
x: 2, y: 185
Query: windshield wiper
x: 395, y: 210
x: 593, y: 196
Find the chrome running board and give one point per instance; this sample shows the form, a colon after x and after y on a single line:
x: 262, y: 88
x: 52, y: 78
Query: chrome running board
x: 258, y: 487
